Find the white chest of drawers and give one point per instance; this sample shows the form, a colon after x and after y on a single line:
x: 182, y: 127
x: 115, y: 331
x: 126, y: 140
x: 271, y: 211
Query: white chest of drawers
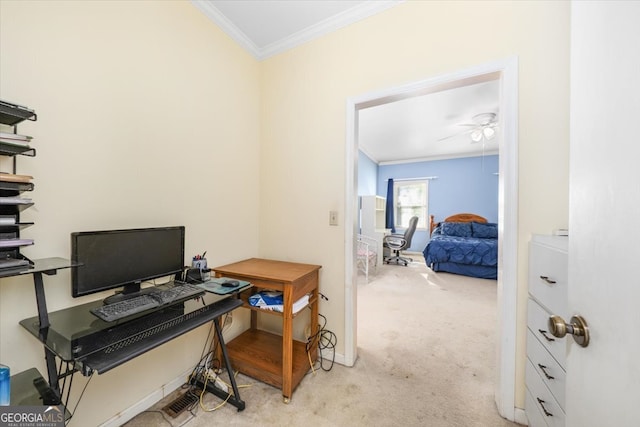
x: 545, y: 370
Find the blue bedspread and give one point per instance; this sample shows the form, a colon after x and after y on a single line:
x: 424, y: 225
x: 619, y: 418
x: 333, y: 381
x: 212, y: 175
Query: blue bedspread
x: 467, y: 248
x: 462, y: 250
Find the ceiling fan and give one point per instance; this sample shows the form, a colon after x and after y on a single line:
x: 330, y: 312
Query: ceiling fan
x: 483, y: 128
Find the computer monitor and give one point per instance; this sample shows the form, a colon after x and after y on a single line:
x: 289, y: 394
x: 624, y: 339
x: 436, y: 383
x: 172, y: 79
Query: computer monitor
x: 124, y: 258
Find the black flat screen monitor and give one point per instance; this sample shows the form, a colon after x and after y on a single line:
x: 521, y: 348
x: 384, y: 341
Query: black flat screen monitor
x: 124, y: 258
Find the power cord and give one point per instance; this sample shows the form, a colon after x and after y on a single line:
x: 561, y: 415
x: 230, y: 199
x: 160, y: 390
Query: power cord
x: 79, y: 399
x: 324, y: 340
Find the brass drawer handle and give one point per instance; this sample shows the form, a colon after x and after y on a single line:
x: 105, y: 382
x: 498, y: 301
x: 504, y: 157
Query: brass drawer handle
x: 549, y: 281
x: 541, y: 402
x: 544, y: 371
x: 544, y: 334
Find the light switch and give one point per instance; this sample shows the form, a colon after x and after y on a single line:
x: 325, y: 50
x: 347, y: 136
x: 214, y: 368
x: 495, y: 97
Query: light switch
x: 333, y: 217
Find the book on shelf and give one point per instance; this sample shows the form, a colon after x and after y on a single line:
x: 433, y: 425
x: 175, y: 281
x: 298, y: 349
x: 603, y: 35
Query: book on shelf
x: 12, y: 177
x: 15, y: 136
x: 7, y: 219
x: 9, y: 243
x: 14, y: 200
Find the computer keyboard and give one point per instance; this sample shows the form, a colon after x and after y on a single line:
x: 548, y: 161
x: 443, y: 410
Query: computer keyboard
x: 125, y: 308
x: 178, y: 292
x: 121, y: 309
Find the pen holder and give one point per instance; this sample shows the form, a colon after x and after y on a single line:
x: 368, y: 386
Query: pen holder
x: 200, y: 264
x: 196, y: 275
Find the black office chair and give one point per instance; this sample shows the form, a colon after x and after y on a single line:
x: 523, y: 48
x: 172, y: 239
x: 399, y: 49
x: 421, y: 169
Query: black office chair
x: 399, y: 242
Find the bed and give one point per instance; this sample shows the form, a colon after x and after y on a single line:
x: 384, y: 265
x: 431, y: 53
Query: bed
x: 463, y: 244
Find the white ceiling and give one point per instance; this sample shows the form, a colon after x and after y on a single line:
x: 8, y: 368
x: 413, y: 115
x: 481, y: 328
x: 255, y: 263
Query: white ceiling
x: 412, y: 129
x: 406, y: 130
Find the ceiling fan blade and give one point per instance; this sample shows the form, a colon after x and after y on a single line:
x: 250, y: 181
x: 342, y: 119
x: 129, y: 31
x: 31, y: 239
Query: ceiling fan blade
x: 466, y: 132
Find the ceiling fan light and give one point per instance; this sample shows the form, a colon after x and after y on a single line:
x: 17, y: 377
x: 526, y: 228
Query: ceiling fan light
x: 476, y: 135
x: 489, y: 132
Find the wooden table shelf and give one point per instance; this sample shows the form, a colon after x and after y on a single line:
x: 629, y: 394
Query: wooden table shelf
x: 277, y: 360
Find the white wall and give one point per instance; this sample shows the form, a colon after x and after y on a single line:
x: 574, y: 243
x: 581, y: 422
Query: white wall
x: 304, y: 121
x: 148, y: 115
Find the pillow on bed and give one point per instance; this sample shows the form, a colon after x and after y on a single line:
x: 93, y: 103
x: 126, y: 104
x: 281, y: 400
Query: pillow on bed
x: 459, y: 229
x: 484, y: 231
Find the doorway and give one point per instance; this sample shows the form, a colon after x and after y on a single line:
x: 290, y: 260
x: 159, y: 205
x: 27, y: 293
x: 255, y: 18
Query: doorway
x: 506, y: 72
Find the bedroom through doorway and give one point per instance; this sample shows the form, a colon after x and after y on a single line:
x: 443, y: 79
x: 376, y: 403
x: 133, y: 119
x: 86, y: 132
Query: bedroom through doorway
x: 505, y: 72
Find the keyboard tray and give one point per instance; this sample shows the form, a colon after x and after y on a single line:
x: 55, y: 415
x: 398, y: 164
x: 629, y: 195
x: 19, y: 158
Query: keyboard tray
x: 140, y: 341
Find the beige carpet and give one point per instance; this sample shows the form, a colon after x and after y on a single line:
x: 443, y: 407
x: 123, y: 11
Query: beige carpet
x: 425, y: 358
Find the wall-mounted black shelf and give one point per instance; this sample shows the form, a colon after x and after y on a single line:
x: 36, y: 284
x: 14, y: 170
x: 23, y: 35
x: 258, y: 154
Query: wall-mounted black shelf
x: 11, y: 114
x: 15, y: 150
x: 14, y: 207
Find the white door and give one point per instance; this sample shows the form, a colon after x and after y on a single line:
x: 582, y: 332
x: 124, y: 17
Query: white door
x: 603, y: 379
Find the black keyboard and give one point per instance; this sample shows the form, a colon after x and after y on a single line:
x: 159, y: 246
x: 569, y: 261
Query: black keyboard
x: 121, y: 309
x: 177, y: 293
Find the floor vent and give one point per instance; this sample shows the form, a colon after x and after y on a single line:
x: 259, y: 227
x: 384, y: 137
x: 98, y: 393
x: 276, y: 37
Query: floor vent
x: 182, y: 403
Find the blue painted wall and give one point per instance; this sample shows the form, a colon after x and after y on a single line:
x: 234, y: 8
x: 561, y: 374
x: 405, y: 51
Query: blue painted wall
x: 367, y: 175
x: 463, y: 185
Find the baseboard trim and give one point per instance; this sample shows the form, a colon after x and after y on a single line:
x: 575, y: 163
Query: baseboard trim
x: 146, y: 402
x: 328, y: 355
x: 520, y: 417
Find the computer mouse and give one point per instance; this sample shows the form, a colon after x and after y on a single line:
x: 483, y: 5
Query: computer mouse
x: 230, y: 284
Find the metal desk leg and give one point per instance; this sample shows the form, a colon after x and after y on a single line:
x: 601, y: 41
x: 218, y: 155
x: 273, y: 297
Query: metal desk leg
x: 43, y: 317
x: 233, y: 399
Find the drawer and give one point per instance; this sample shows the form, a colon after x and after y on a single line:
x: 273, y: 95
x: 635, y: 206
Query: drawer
x: 541, y: 400
x: 548, y: 277
x: 534, y: 415
x: 538, y: 322
x: 551, y: 373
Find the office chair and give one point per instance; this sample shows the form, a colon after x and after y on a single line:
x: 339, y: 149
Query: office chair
x: 399, y: 242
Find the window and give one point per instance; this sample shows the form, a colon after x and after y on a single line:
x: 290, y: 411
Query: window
x: 410, y: 200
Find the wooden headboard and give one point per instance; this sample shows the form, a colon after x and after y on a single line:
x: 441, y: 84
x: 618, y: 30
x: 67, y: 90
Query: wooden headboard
x: 461, y: 217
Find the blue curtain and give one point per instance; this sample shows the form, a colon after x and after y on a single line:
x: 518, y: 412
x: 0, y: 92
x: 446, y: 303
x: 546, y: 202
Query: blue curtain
x: 390, y: 222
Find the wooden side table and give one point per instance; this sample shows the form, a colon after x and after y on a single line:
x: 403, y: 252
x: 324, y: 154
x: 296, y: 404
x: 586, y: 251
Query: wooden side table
x: 277, y: 360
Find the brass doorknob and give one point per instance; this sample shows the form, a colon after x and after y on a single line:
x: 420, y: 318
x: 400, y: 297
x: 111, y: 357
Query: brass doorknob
x: 577, y: 327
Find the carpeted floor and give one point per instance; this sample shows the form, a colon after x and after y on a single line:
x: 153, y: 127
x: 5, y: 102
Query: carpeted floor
x: 425, y: 358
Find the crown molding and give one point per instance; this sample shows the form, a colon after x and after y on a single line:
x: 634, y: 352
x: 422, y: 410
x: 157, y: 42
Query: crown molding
x: 348, y: 17
x: 494, y: 152
x: 227, y: 26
